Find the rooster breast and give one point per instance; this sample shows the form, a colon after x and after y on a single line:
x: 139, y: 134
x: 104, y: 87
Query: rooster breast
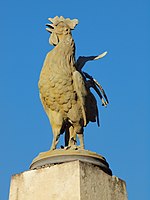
x: 56, y: 87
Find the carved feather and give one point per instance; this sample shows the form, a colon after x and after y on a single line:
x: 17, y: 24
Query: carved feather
x: 81, y: 91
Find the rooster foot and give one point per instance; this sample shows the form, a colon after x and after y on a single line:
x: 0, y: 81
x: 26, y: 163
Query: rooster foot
x: 73, y: 147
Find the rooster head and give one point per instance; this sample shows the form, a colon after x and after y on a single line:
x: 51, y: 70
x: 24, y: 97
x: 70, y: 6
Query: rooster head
x: 60, y: 27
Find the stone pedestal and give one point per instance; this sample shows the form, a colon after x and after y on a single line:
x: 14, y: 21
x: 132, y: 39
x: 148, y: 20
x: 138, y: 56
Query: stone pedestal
x: 76, y: 180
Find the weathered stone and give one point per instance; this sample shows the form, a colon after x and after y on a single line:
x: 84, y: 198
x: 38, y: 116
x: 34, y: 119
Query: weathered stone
x: 73, y: 180
x: 97, y: 185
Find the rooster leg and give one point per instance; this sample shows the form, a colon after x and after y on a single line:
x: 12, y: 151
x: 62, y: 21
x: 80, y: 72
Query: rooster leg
x: 56, y: 133
x: 81, y: 139
x: 72, y: 139
x: 67, y: 136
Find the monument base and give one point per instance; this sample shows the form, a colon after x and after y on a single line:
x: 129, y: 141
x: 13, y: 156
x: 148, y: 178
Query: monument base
x: 72, y: 180
x: 57, y: 156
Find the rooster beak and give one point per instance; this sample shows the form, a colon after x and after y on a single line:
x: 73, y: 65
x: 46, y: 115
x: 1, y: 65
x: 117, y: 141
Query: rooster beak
x: 50, y: 27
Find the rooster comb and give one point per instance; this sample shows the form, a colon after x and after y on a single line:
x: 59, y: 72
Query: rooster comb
x: 71, y: 23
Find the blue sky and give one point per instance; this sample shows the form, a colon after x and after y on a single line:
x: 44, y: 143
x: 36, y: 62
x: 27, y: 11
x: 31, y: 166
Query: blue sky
x: 120, y: 27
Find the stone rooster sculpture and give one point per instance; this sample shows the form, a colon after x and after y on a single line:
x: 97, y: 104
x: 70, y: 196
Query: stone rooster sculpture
x: 65, y: 89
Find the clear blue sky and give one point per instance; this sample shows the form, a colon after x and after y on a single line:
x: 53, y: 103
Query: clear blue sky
x: 120, y: 27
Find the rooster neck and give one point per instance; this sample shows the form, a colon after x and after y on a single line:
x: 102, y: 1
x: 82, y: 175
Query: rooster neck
x: 64, y: 55
x: 61, y: 60
x: 66, y: 46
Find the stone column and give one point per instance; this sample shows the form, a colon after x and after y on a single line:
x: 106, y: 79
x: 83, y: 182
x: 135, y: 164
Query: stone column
x: 74, y: 180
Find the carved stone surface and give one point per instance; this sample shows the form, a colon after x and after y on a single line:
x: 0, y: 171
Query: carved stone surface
x: 65, y: 89
x: 73, y: 180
